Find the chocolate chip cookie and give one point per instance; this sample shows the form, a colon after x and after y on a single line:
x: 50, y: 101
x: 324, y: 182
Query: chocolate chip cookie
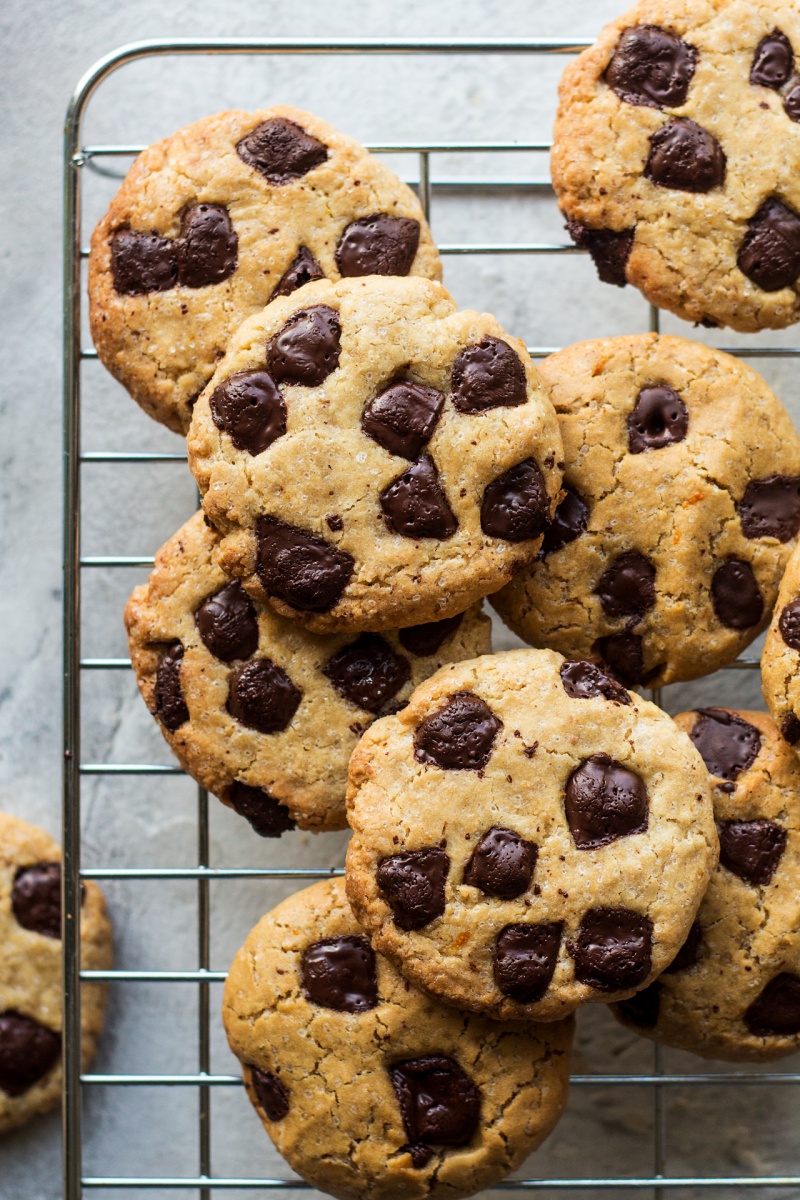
x: 681, y: 507
x: 528, y: 836
x: 259, y: 711
x: 375, y: 457
x: 368, y: 1087
x: 676, y: 158
x: 733, y: 990
x: 780, y: 662
x: 30, y: 971
x: 213, y: 222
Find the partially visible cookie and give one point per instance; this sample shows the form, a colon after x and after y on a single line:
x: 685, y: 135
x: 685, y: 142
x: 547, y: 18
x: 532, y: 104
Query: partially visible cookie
x: 733, y: 990
x: 366, y: 1086
x: 528, y: 836
x: 780, y: 661
x: 30, y: 971
x: 259, y: 711
x: 212, y: 223
x: 681, y: 507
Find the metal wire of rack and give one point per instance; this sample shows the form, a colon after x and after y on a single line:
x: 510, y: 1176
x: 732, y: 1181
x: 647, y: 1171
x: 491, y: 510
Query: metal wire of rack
x: 77, y: 158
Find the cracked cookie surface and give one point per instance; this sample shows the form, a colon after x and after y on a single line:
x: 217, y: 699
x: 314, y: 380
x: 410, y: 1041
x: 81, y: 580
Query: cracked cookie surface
x: 780, y: 661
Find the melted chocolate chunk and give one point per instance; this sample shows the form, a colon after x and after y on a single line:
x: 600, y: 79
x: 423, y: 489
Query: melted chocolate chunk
x: 305, y: 351
x: 770, y: 251
x: 460, y: 736
x: 207, y: 246
x: 268, y: 817
x: 424, y: 640
x: 142, y: 263
x: 170, y: 705
x: 262, y: 696
x: 773, y: 61
x: 570, y: 519
x: 36, y: 898
x: 415, y: 504
x: 790, y: 729
x: 525, y: 958
x: 751, y: 849
x: 439, y: 1104
x: 627, y: 587
x: 271, y: 1093
x: 686, y: 157
x: 488, y: 374
x: 249, y: 407
x: 642, y: 1009
x: 378, y: 245
x: 776, y: 1012
x: 582, y: 680
x: 515, y: 505
x: 228, y: 624
x: 281, y: 151
x: 368, y: 673
x: 604, y: 801
x: 727, y: 743
x: 613, y: 949
x: 413, y: 884
x: 303, y: 269
x: 651, y: 66
x: 789, y: 624
x: 791, y: 102
x: 402, y: 418
x: 735, y: 595
x: 300, y: 568
x: 420, y: 1155
x: 610, y: 249
x: 771, y: 507
x: 623, y: 654
x: 686, y: 957
x: 28, y: 1051
x: 340, y: 973
x: 502, y: 864
x: 659, y: 418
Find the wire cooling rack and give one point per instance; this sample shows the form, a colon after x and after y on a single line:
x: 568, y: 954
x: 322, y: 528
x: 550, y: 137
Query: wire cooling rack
x: 77, y: 460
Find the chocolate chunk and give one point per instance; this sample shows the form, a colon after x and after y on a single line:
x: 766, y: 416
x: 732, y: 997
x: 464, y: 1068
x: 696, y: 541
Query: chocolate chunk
x: 142, y: 263
x: 604, y: 801
x: 771, y: 507
x: 623, y: 654
x: 610, y: 249
x: 791, y: 102
x: 727, y: 743
x: 170, y: 705
x: 378, y: 245
x: 502, y: 864
x: 415, y: 504
x: 776, y: 1012
x: 525, y: 958
x: 688, y: 953
x: 340, y: 973
x: 281, y: 150
x: 228, y: 624
x: 36, y: 898
x: 249, y: 407
x: 303, y: 269
x: 582, y: 680
x: 262, y: 696
x: 686, y: 157
x: 368, y: 673
x: 306, y: 349
x: 751, y: 849
x: 300, y: 568
x: 773, y: 61
x: 789, y: 624
x: 735, y: 595
x: 770, y: 251
x: 424, y: 640
x: 420, y: 1155
x: 642, y: 1009
x: 790, y: 729
x: 651, y: 66
x: 570, y: 520
x: 439, y: 1104
x: 207, y: 246
x: 627, y: 587
x: 515, y: 505
x: 460, y: 736
x: 271, y: 1093
x: 659, y: 418
x: 28, y: 1051
x: 268, y: 817
x: 488, y: 374
x: 613, y: 949
x: 402, y: 418
x: 413, y: 884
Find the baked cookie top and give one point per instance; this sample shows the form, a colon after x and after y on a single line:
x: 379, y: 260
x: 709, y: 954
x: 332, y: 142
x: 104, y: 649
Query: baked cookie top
x: 682, y: 503
x: 676, y: 157
x: 258, y: 710
x: 212, y: 223
x: 375, y: 457
x: 733, y: 991
x: 367, y: 1086
x: 30, y: 971
x: 528, y: 836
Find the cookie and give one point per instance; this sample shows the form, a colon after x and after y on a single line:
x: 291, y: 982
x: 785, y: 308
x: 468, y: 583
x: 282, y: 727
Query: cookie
x: 368, y: 1087
x: 259, y: 711
x: 676, y: 158
x: 375, y: 457
x: 665, y: 555
x: 212, y: 223
x: 30, y: 971
x: 780, y: 661
x: 528, y: 836
x: 733, y: 990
